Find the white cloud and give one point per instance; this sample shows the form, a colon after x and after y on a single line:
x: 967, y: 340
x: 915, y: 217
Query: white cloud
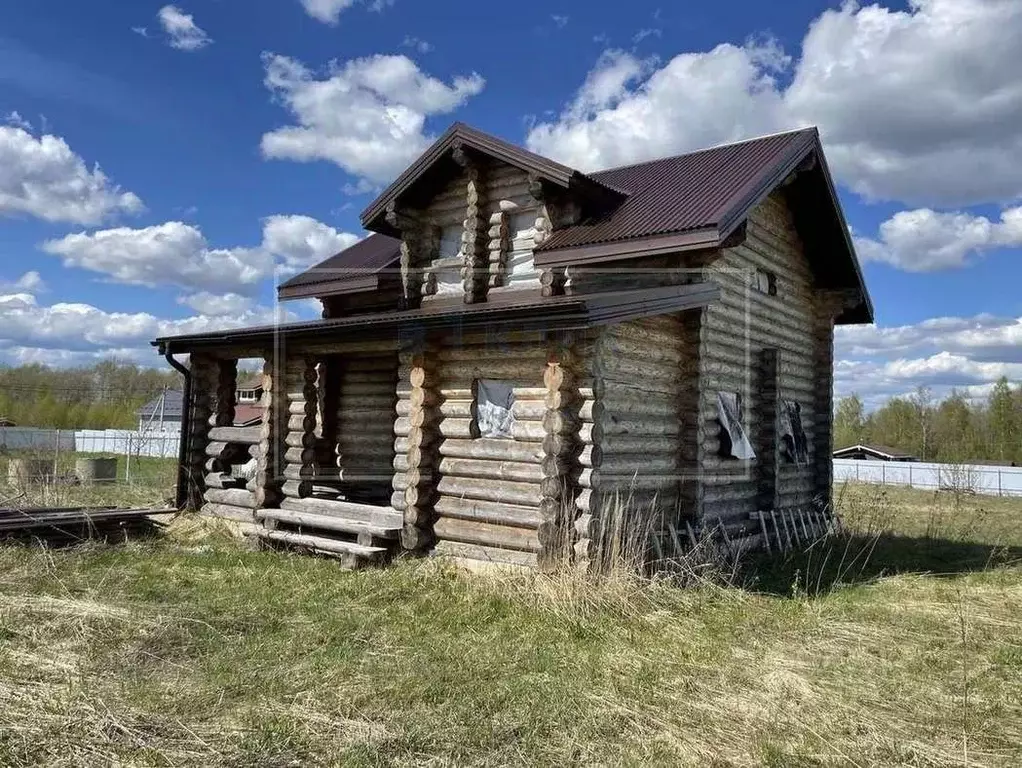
x: 642, y: 34
x: 924, y: 240
x: 207, y: 303
x: 68, y: 330
x: 620, y: 115
x: 560, y: 20
x: 14, y: 118
x: 42, y: 177
x: 422, y: 46
x: 172, y: 253
x: 966, y: 353
x: 329, y: 11
x: 178, y: 254
x: 30, y: 282
x: 181, y: 30
x: 922, y: 105
x: 367, y: 115
x: 301, y: 241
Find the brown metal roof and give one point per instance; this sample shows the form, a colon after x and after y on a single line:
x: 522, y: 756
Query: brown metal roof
x: 354, y: 269
x: 703, y: 190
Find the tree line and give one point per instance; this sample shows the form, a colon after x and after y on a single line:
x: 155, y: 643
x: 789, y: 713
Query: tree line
x: 953, y: 430
x: 106, y: 395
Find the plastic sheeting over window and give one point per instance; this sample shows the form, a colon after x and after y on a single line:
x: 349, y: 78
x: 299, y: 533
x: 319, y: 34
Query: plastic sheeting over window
x: 733, y: 440
x: 445, y: 271
x: 793, y: 436
x: 495, y: 408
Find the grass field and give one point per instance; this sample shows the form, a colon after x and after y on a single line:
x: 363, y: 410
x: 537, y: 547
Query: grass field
x: 901, y: 645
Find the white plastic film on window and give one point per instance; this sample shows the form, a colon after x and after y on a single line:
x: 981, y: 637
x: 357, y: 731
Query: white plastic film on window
x: 734, y: 441
x: 446, y: 268
x: 495, y: 408
x: 520, y: 266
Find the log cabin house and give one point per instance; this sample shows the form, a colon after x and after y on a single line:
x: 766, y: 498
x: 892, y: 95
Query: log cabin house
x: 519, y: 350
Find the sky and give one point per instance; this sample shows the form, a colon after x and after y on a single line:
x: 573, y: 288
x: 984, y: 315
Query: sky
x: 163, y: 167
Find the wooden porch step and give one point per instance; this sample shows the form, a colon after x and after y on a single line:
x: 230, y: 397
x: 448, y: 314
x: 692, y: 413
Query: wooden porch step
x: 386, y: 529
x: 384, y: 517
x: 323, y: 544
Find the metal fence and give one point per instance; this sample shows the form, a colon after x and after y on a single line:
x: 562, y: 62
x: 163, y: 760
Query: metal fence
x: 137, y: 452
x: 979, y: 478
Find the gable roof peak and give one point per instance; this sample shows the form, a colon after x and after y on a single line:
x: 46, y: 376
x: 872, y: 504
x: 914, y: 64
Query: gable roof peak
x: 438, y: 159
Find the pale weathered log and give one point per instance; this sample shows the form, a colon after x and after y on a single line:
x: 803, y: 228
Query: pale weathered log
x: 458, y: 409
x: 244, y: 435
x: 228, y: 512
x: 297, y: 489
x: 323, y: 544
x: 490, y: 448
x: 488, y: 511
x: 214, y: 449
x: 472, y: 532
x: 459, y: 428
x: 490, y: 469
x: 235, y: 497
x: 529, y: 431
x: 491, y: 490
x: 383, y: 516
x: 504, y: 557
x: 331, y: 522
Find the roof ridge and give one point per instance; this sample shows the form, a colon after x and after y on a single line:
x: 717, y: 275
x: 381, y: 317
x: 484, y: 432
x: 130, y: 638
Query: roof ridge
x: 703, y: 150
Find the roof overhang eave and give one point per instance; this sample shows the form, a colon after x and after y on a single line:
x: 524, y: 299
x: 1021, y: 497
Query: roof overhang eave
x: 565, y: 313
x: 694, y: 240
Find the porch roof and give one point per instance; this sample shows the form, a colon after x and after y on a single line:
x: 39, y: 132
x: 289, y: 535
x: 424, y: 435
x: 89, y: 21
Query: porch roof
x: 526, y: 313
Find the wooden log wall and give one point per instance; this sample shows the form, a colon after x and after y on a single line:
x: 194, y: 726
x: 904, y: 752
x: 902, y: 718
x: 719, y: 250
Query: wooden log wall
x: 638, y: 370
x: 522, y: 217
x: 734, y: 333
x: 490, y: 492
x: 475, y: 239
x: 299, y: 468
x: 586, y: 525
x: 270, y: 451
x: 204, y: 379
x: 365, y: 400
x: 828, y: 307
x: 414, y: 478
x: 561, y: 447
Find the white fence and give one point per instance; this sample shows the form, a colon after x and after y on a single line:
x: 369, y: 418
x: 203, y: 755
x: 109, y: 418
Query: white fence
x: 123, y: 442
x: 988, y: 480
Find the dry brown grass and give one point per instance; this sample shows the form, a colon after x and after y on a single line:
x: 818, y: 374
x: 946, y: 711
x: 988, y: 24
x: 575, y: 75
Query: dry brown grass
x: 194, y: 651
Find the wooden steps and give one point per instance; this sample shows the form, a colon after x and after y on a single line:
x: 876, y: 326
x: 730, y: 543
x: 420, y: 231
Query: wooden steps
x: 356, y: 534
x: 330, y: 523
x: 351, y: 554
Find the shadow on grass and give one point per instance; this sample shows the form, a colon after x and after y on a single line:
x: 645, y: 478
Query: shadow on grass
x: 856, y: 559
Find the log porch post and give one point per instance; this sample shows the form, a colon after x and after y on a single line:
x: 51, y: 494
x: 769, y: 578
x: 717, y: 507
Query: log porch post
x: 302, y: 405
x: 423, y: 437
x: 270, y: 452
x: 204, y: 370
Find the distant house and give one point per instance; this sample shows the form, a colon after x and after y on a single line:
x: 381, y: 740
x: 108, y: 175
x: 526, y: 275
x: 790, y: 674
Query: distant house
x: 250, y: 389
x: 873, y: 452
x: 163, y: 413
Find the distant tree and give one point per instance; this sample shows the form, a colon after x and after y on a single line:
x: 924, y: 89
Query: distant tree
x: 922, y: 401
x: 849, y: 421
x: 1003, y: 422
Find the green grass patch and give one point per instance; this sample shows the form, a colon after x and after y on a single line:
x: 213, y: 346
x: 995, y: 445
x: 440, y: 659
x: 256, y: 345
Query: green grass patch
x: 192, y: 650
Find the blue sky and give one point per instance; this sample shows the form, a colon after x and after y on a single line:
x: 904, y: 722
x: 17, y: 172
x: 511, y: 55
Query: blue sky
x: 239, y: 140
